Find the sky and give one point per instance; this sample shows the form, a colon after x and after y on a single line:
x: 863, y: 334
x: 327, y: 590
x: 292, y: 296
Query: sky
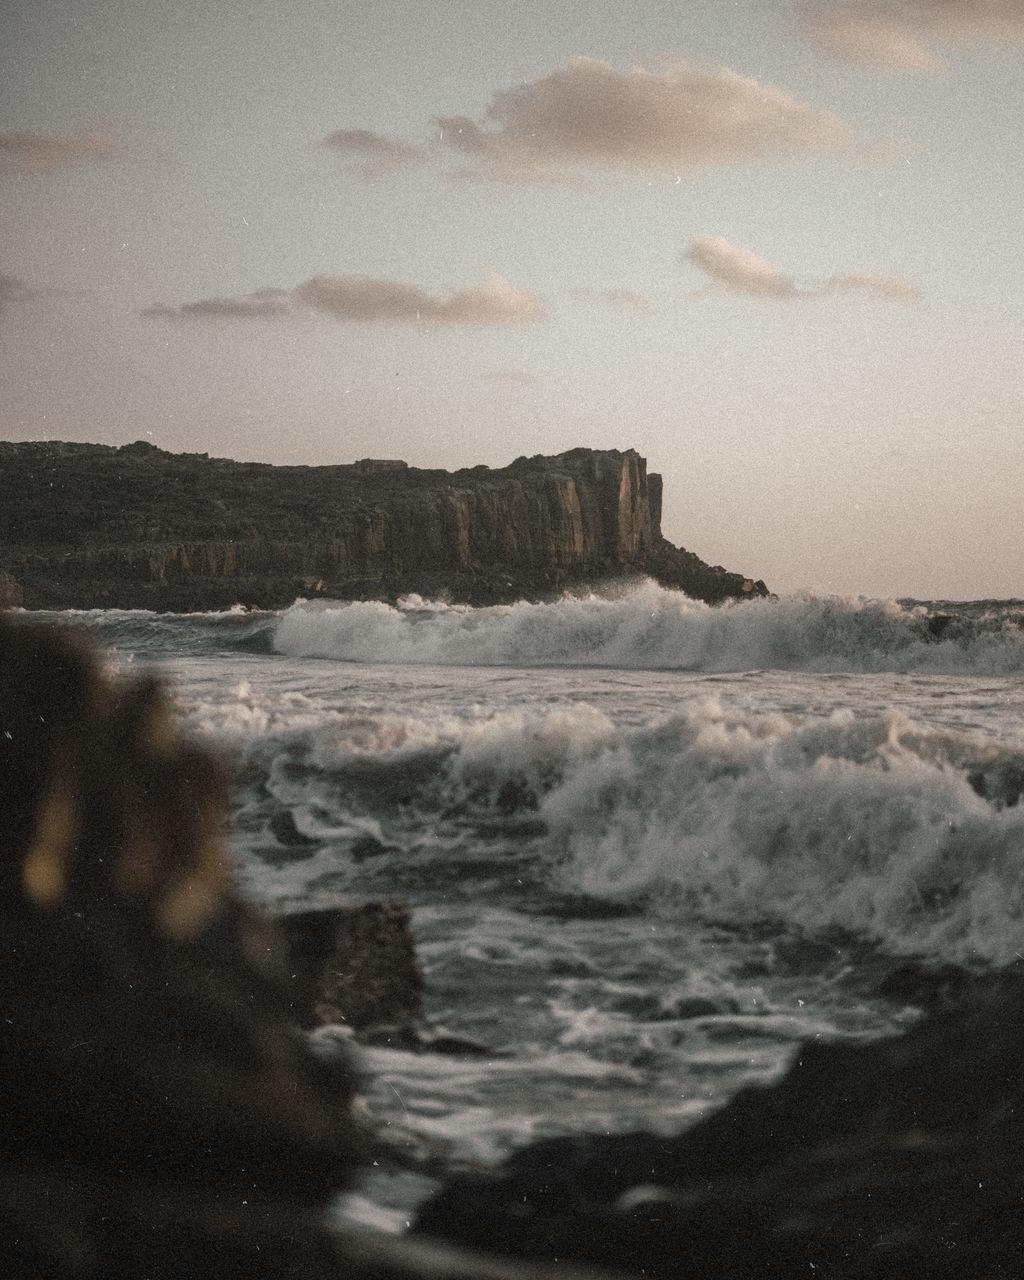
x: 775, y: 246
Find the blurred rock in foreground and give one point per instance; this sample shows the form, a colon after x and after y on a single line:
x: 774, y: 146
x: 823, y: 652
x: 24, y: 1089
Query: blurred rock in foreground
x: 160, y: 1115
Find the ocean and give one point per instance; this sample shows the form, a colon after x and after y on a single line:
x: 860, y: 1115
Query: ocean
x: 649, y: 847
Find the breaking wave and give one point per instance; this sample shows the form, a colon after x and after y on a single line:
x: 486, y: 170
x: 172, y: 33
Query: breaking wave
x: 649, y: 628
x: 908, y: 836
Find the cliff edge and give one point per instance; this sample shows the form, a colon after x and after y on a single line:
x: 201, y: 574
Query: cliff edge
x: 93, y: 526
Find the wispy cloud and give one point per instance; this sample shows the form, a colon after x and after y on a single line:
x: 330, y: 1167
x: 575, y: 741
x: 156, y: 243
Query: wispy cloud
x: 626, y: 299
x: 375, y: 153
x: 39, y: 151
x: 496, y: 302
x: 896, y: 33
x: 264, y: 304
x: 740, y: 270
x: 894, y: 287
x: 368, y: 299
x: 589, y: 116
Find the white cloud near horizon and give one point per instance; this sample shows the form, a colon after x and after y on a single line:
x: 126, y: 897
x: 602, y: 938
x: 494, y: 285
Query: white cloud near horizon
x: 624, y: 299
x: 740, y: 270
x: 494, y: 303
x: 368, y: 299
x: 895, y: 33
x: 684, y: 118
x: 886, y: 286
x: 39, y: 151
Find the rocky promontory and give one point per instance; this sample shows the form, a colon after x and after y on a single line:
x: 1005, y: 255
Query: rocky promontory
x: 93, y: 526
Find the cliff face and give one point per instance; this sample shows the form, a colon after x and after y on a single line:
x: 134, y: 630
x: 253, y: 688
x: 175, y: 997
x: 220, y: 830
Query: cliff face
x: 89, y: 526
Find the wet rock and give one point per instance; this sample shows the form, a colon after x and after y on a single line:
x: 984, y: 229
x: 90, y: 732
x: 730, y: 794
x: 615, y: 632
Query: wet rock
x: 11, y: 594
x: 898, y: 1157
x: 999, y: 780
x: 282, y: 827
x: 353, y: 965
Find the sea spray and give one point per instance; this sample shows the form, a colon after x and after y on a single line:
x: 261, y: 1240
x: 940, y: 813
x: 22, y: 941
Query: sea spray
x: 877, y: 824
x: 870, y: 826
x: 645, y: 627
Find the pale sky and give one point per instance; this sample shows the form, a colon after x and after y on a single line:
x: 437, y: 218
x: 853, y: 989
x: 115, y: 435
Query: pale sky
x: 776, y: 246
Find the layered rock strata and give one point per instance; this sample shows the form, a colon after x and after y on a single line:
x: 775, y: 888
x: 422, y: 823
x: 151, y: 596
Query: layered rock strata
x: 90, y: 526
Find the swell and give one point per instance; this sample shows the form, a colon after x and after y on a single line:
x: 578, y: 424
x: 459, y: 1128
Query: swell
x: 645, y: 627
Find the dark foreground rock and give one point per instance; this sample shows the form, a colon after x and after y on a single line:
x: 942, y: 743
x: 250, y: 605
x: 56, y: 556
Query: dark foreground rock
x: 161, y: 1116
x: 89, y: 526
x: 353, y: 965
x: 903, y: 1157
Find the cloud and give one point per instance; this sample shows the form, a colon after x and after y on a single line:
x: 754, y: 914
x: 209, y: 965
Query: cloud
x: 627, y: 299
x: 589, y: 116
x: 264, y: 304
x: 741, y: 270
x: 12, y: 290
x: 894, y: 287
x: 376, y: 153
x: 367, y: 299
x: 894, y: 33
x: 494, y: 303
x: 39, y: 151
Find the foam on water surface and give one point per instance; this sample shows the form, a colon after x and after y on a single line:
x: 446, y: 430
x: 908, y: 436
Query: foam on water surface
x: 643, y: 868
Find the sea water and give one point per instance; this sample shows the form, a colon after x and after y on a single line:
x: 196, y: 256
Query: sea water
x: 649, y: 847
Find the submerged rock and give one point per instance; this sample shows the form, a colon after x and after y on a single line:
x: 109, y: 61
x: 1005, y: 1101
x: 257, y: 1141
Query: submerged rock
x: 89, y: 526
x: 901, y: 1157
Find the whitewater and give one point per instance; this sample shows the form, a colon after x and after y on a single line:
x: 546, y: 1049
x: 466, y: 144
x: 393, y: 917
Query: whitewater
x: 649, y: 846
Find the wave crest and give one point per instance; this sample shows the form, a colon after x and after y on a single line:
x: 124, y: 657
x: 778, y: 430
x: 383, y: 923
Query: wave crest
x: 647, y: 627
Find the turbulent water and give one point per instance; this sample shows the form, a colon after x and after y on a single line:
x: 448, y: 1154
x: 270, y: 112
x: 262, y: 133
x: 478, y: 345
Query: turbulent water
x: 649, y: 846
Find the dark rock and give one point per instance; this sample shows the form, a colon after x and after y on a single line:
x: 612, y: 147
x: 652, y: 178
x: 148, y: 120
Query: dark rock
x: 161, y: 1116
x: 899, y: 1157
x: 91, y: 526
x: 999, y: 780
x: 11, y: 594
x: 144, y: 1026
x: 353, y: 965
x: 57, y: 1225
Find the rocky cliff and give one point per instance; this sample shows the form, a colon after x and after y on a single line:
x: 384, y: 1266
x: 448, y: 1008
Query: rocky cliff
x: 91, y: 526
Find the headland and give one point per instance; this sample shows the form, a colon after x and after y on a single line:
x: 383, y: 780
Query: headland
x: 95, y: 526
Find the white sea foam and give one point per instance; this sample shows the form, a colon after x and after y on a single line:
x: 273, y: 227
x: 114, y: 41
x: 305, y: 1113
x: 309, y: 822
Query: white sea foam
x: 865, y: 822
x: 862, y: 824
x: 647, y: 627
